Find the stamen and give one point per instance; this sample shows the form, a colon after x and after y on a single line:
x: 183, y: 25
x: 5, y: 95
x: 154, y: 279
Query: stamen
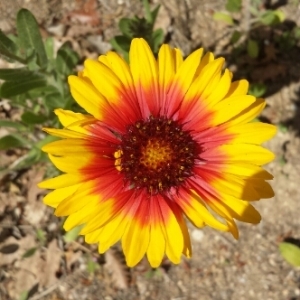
x: 156, y: 154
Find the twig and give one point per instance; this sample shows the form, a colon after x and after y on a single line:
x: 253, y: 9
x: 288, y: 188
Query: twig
x: 83, y: 248
x: 105, y: 5
x: 247, y: 16
x: 45, y: 292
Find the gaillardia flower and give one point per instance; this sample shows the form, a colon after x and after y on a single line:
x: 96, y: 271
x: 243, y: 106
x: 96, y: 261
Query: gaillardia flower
x: 164, y: 141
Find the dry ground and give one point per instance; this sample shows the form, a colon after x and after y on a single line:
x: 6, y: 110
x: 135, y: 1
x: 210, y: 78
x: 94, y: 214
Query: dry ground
x: 221, y: 268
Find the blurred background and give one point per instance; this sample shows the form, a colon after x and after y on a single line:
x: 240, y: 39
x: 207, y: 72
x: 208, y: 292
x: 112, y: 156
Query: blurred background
x: 260, y: 40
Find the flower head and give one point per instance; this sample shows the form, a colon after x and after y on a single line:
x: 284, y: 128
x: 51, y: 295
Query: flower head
x: 164, y: 141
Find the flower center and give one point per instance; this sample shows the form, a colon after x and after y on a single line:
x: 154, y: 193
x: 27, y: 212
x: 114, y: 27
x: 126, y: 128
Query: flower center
x: 156, y: 154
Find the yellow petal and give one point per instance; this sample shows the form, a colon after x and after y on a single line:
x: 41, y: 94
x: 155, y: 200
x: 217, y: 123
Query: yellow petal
x: 94, y: 236
x: 252, y: 133
x: 166, y: 66
x: 178, y: 58
x: 238, y: 88
x: 205, y: 80
x: 185, y: 74
x: 104, y: 80
x: 236, y: 187
x: 67, y: 117
x: 218, y: 208
x: 240, y: 210
x: 172, y: 231
x: 135, y: 242
x: 144, y: 70
x: 121, y: 69
x: 61, y: 181
x: 233, y: 228
x: 252, y: 154
x: 112, y: 232
x: 206, y: 59
x: 82, y: 197
x: 87, y: 96
x: 66, y: 147
x: 262, y: 187
x: 64, y: 133
x: 198, y: 213
x: 187, y: 247
x: 244, y: 170
x: 70, y: 164
x: 230, y: 107
x: 249, y: 113
x: 219, y: 90
x: 105, y: 214
x: 54, y: 198
x: 157, y: 246
x: 83, y: 215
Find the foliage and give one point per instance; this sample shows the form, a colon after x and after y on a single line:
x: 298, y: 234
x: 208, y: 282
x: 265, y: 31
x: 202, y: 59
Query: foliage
x: 139, y: 27
x: 36, y: 87
x: 291, y: 253
x: 251, y: 21
x: 38, y: 83
x: 259, y: 17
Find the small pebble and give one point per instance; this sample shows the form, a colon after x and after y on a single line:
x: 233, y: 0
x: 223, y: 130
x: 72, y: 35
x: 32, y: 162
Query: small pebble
x: 52, y: 227
x: 197, y: 235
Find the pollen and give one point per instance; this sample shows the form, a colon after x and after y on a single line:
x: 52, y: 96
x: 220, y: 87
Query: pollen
x: 117, y: 156
x: 156, y: 154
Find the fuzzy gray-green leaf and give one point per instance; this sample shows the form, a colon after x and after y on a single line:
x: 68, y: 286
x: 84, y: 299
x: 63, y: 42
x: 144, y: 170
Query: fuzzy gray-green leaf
x: 30, y: 36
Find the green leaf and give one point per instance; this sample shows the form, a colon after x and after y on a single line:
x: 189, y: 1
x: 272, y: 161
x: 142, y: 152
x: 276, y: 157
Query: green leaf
x: 257, y: 89
x: 12, y: 124
x: 13, y: 88
x: 30, y: 36
x: 72, y: 235
x: 24, y: 295
x: 233, y: 5
x: 121, y: 44
x: 157, y: 39
x: 270, y: 18
x: 66, y: 59
x: 15, y: 74
x: 280, y: 14
x: 154, y: 14
x: 49, y: 47
x: 91, y: 265
x: 125, y: 27
x: 29, y: 252
x: 235, y: 37
x: 282, y: 128
x: 148, y: 14
x: 296, y: 32
x: 48, y: 139
x: 252, y: 48
x: 11, y: 141
x: 41, y: 236
x: 54, y: 100
x: 30, y: 158
x: 153, y: 273
x: 254, y: 11
x: 291, y: 253
x: 7, y: 46
x: 32, y: 119
x: 45, y: 90
x: 219, y: 16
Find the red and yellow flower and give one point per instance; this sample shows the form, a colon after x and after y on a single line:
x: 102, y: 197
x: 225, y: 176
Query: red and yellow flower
x: 164, y: 141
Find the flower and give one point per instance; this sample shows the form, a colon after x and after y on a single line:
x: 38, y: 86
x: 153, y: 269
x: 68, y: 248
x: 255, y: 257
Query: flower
x: 165, y: 140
